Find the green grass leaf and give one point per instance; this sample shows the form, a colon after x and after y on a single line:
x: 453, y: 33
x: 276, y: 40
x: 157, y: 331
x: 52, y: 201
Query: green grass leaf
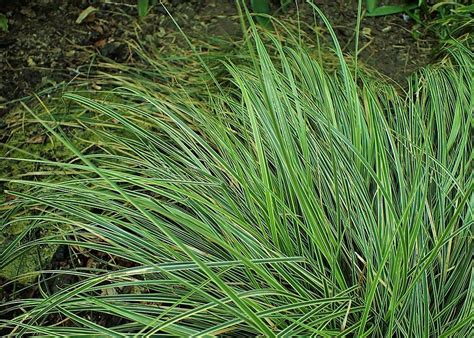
x: 3, y: 23
x: 142, y: 6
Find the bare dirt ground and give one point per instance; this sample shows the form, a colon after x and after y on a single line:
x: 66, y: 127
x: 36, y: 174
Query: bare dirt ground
x: 45, y: 45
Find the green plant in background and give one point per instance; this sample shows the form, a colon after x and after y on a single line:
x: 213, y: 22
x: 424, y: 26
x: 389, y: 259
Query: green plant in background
x: 448, y: 19
x: 373, y: 8
x: 277, y: 199
x: 452, y: 19
x: 3, y: 23
x: 142, y: 7
x: 261, y: 7
x: 264, y: 7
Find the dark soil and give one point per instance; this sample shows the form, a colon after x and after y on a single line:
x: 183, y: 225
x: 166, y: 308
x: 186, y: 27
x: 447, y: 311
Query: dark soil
x: 45, y: 45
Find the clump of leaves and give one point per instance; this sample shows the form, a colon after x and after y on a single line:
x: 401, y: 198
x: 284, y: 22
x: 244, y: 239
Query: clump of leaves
x: 452, y: 19
x: 276, y: 199
x: 448, y: 19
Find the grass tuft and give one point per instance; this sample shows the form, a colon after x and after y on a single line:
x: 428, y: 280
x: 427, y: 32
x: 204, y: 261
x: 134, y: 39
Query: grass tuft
x: 283, y: 200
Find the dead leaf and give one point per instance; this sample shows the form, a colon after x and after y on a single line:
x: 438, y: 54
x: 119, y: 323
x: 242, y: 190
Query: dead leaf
x: 100, y: 43
x: 367, y: 32
x: 109, y: 292
x: 38, y: 139
x: 161, y: 32
x: 98, y: 29
x: 90, y: 263
x: 28, y: 12
x: 31, y: 62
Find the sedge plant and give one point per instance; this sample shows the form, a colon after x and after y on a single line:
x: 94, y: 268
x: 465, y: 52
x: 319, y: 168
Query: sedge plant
x: 272, y: 198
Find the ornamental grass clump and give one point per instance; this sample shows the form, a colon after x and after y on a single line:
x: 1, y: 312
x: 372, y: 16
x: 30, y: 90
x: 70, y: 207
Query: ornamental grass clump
x: 273, y: 198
